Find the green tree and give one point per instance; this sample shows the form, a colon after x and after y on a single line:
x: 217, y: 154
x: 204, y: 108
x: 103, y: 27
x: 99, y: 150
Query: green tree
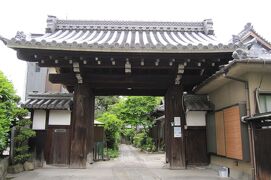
x: 135, y: 110
x: 8, y: 109
x: 112, y: 126
x: 103, y: 103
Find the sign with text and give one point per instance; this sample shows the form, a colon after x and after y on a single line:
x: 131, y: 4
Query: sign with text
x: 177, y: 121
x: 177, y: 132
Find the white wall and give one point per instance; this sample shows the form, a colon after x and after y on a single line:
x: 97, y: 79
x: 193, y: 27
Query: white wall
x: 196, y: 118
x: 59, y: 117
x: 39, y: 120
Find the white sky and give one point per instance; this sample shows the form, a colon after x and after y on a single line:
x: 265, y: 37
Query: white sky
x: 229, y: 17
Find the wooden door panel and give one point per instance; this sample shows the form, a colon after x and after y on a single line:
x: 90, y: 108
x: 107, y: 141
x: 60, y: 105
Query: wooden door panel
x: 60, y: 146
x: 196, y: 146
x: 233, y: 133
x: 58, y: 141
x: 220, y: 133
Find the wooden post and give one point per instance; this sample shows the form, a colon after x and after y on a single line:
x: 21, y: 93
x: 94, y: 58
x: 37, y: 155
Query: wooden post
x: 175, y: 146
x: 82, y: 126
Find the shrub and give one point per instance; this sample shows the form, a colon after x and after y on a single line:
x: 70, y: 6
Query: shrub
x: 112, y: 153
x: 129, y: 134
x: 112, y: 126
x: 144, y: 142
x: 22, y: 134
x: 139, y: 139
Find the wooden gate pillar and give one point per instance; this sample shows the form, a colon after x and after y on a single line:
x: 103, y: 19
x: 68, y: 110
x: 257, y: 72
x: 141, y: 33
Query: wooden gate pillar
x: 82, y: 126
x: 174, y: 128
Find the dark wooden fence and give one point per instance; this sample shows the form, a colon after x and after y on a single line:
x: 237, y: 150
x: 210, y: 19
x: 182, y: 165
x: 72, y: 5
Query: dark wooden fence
x: 263, y: 153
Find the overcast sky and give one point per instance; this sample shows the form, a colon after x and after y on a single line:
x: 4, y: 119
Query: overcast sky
x: 229, y: 17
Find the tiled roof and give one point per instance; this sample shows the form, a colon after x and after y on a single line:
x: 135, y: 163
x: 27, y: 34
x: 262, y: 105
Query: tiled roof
x: 49, y: 101
x: 127, y: 36
x: 193, y: 102
x: 197, y: 103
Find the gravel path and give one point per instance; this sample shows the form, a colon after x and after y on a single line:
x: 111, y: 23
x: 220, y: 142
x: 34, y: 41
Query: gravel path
x: 131, y: 165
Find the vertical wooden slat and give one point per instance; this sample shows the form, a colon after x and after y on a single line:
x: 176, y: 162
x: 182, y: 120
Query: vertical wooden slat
x: 233, y: 133
x: 220, y: 133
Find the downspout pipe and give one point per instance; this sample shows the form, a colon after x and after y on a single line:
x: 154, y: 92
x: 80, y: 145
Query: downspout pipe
x: 250, y: 130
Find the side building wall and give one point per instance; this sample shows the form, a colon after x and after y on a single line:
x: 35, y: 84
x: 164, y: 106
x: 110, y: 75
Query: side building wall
x: 230, y: 94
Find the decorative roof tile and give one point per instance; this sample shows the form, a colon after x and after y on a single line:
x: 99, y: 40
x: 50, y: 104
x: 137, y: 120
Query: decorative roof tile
x: 124, y: 36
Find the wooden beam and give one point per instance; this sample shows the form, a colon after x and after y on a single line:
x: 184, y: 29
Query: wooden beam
x: 82, y: 126
x: 132, y: 92
x: 117, y: 81
x: 136, y: 64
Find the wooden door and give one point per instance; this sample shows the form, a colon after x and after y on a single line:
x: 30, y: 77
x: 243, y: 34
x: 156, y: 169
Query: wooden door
x: 220, y: 133
x: 196, y: 146
x: 58, y: 146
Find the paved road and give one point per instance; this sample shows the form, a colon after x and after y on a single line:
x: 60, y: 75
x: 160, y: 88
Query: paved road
x: 131, y: 165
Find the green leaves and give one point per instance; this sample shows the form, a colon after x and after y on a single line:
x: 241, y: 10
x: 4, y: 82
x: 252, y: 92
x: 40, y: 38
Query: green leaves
x: 112, y: 126
x: 8, y: 109
x: 135, y: 110
x: 22, y: 135
x: 11, y: 114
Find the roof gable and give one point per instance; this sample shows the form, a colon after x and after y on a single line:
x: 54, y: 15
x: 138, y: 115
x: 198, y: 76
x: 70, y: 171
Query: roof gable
x: 248, y: 34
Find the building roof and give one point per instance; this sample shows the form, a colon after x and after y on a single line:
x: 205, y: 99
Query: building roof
x: 235, y: 68
x: 49, y: 101
x: 248, y: 33
x: 197, y: 103
x: 193, y: 102
x: 123, y: 36
x: 256, y: 58
x: 258, y: 46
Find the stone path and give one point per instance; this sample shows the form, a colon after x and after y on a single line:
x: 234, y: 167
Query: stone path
x: 131, y: 165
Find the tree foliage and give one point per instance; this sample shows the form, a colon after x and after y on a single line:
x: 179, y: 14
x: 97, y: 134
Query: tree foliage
x: 8, y: 109
x: 132, y: 111
x: 112, y: 126
x: 103, y: 103
x: 13, y: 115
x: 135, y: 110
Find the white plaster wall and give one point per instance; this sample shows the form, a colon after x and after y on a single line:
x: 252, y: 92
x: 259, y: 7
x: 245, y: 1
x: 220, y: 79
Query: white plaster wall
x: 59, y: 117
x: 196, y: 118
x: 39, y: 120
